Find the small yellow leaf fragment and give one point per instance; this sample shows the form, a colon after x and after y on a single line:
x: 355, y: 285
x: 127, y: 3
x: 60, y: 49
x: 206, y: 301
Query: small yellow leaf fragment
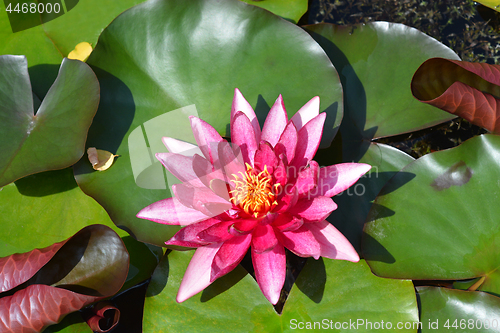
x: 100, y: 159
x: 81, y: 52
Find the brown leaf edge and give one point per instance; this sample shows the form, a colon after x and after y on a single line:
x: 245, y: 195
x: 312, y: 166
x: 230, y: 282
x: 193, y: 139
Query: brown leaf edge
x: 466, y: 89
x: 33, y: 307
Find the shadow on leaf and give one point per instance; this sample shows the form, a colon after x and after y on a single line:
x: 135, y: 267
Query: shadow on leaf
x: 377, y: 251
x: 312, y: 280
x: 224, y: 283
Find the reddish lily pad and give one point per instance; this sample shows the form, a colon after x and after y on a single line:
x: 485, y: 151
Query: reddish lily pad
x: 466, y: 89
x: 49, y: 283
x: 53, y: 137
x: 437, y: 218
x: 174, y: 66
x: 332, y: 290
x: 105, y: 317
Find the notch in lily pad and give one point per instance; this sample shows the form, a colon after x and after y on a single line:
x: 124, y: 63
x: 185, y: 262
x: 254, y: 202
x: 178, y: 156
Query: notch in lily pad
x: 53, y: 136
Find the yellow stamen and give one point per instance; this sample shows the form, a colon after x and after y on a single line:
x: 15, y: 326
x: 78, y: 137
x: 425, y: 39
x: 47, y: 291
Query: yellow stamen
x: 253, y: 192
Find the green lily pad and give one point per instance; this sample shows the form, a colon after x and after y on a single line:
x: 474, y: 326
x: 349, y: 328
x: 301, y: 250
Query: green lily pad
x: 355, y: 202
x: 327, y: 291
x: 45, y: 45
x: 39, y: 50
x: 346, y: 293
x: 72, y: 323
x: 493, y: 4
x: 234, y: 303
x: 448, y: 310
x: 164, y: 60
x: 54, y: 136
x: 47, y: 207
x: 291, y: 10
x: 85, y: 22
x: 436, y: 219
x: 376, y: 62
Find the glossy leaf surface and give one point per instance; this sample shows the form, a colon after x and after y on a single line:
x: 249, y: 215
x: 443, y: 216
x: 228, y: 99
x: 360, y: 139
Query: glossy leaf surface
x: 324, y: 290
x: 466, y: 89
x: 449, y: 310
x: 52, y: 207
x: 436, y: 218
x: 355, y: 203
x: 167, y: 59
x: 376, y: 62
x: 46, y: 208
x: 291, y: 10
x: 46, y: 45
x: 344, y: 292
x: 54, y: 136
x: 80, y: 271
x: 494, y: 4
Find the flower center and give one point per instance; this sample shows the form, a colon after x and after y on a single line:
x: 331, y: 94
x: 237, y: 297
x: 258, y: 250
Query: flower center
x: 253, y: 192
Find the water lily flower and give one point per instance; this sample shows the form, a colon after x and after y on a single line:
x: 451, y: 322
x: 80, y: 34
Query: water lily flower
x: 261, y: 191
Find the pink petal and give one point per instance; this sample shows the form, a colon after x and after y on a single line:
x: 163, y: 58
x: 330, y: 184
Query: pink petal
x: 336, y: 178
x: 213, y: 208
x: 243, y: 135
x: 308, y: 139
x: 180, y: 166
x: 270, y: 272
x: 275, y: 123
x: 287, y: 222
x: 307, y: 178
x: 306, y: 113
x: 313, y: 210
x: 204, y: 170
x: 216, y: 233
x: 230, y: 255
x: 220, y: 188
x: 243, y: 227
x: 206, y: 136
x: 189, y: 196
x: 265, y: 156
x: 171, y: 211
x: 198, y: 273
x: 301, y: 242
x: 180, y: 147
x: 334, y: 245
x: 188, y: 236
x: 287, y: 142
x: 231, y: 164
x: 287, y: 200
x: 241, y: 104
x: 263, y: 238
x: 280, y: 173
